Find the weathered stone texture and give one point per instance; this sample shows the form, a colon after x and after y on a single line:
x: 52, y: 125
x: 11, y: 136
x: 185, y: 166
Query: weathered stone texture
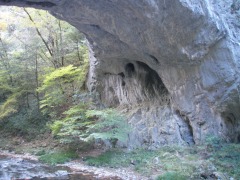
x: 172, y: 64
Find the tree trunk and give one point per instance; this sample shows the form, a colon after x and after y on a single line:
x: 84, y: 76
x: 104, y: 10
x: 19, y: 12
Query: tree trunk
x: 37, y: 82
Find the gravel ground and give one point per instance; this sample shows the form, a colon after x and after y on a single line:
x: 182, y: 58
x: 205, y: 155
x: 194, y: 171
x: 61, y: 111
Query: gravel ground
x: 120, y: 173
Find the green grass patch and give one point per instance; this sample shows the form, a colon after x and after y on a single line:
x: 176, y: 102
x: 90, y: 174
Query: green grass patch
x: 174, y: 162
x: 227, y: 159
x: 175, y: 159
x: 171, y: 176
x: 40, y: 152
x: 170, y: 162
x: 58, y: 157
x: 117, y: 158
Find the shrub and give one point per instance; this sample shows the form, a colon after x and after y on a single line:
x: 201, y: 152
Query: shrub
x: 213, y: 142
x: 108, y: 125
x: 28, y: 123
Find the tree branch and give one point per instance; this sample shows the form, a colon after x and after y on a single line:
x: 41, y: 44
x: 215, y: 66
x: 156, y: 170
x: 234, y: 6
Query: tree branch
x: 38, y: 32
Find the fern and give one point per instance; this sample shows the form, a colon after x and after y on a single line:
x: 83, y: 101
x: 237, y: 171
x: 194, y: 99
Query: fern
x: 109, y: 125
x: 61, y: 75
x: 59, y: 86
x: 81, y: 124
x: 73, y: 125
x: 56, y: 127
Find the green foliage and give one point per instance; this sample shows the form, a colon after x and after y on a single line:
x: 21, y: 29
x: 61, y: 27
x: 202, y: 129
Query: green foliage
x: 106, y: 159
x: 38, y: 52
x: 60, y: 75
x: 117, y: 158
x: 166, y: 159
x: 59, y: 86
x: 28, y: 123
x: 172, y: 176
x: 56, y: 127
x: 71, y: 128
x: 213, y: 140
x: 174, y: 162
x: 52, y: 102
x: 81, y: 124
x: 10, y: 106
x: 109, y: 125
x: 58, y: 157
x: 227, y: 159
x: 82, y: 75
x: 43, y: 69
x: 41, y: 152
x: 5, y: 88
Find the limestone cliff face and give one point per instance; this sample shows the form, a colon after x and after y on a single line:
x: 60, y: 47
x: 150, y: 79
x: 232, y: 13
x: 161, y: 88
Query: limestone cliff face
x: 172, y: 65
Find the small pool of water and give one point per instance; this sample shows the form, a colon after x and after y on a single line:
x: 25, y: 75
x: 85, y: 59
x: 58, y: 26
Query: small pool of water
x: 21, y: 169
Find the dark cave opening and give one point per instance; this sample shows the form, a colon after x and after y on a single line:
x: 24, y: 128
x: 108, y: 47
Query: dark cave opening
x: 187, y: 132
x: 151, y: 80
x: 130, y: 69
x: 231, y: 127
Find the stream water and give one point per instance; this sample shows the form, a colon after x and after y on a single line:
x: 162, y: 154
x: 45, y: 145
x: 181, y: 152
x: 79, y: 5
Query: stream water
x: 21, y: 169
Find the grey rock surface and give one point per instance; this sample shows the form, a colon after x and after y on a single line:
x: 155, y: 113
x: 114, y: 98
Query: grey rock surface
x: 173, y: 65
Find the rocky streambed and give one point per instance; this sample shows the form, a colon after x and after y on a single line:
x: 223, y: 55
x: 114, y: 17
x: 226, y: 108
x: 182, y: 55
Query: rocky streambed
x: 18, y: 168
x: 22, y: 167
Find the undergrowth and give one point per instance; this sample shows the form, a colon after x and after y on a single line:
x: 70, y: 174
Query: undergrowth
x: 146, y: 161
x: 27, y: 123
x: 84, y: 125
x: 227, y: 159
x: 58, y: 157
x: 177, y: 163
x: 118, y: 158
x: 171, y: 176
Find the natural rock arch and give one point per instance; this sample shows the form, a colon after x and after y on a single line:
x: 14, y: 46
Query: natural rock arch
x: 191, y: 48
